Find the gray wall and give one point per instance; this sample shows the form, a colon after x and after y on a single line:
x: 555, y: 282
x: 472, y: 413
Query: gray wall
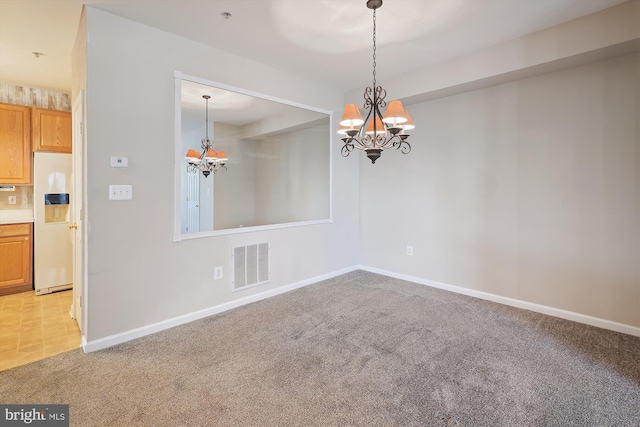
x: 136, y: 274
x: 291, y: 179
x: 235, y: 188
x: 528, y: 190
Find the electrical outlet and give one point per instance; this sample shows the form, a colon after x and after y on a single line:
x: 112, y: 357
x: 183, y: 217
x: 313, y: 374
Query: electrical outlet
x: 12, y: 200
x: 217, y: 273
x: 410, y: 250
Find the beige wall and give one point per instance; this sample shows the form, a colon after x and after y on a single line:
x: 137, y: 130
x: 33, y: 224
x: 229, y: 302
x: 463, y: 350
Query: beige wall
x: 137, y: 275
x: 528, y: 190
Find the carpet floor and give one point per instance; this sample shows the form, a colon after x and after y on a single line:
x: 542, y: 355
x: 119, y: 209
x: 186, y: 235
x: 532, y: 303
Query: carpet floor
x: 358, y: 350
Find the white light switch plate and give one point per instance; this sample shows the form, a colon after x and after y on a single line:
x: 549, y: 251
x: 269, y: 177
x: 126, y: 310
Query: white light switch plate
x: 120, y: 192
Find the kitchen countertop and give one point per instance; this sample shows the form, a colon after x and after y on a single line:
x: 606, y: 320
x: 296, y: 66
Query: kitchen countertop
x: 16, y: 216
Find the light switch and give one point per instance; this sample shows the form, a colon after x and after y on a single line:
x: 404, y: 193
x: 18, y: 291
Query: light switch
x: 120, y: 192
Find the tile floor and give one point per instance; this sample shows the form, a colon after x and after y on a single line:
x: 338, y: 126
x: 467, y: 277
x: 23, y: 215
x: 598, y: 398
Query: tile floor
x: 33, y: 327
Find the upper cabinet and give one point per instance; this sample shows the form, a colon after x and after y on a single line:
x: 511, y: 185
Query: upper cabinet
x: 51, y: 130
x: 15, y: 145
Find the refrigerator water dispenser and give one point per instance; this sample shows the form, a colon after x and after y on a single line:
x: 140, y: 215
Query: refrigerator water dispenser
x: 56, y: 207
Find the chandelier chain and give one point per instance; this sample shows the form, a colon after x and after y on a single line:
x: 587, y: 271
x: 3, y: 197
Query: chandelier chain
x: 374, y: 49
x: 206, y: 118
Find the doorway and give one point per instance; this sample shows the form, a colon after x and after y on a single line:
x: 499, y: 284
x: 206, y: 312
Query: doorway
x: 39, y: 326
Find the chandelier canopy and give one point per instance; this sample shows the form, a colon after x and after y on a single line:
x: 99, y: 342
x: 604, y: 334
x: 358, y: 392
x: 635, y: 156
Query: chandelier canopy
x: 376, y: 132
x: 210, y: 160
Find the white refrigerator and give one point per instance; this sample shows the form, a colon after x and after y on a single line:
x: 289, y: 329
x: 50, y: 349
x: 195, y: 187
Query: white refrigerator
x: 52, y: 237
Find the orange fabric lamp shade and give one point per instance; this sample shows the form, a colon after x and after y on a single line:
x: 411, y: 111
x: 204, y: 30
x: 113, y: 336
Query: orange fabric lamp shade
x: 222, y: 155
x: 351, y: 116
x: 379, y: 126
x: 211, y: 155
x: 395, y: 113
x: 408, y: 125
x: 192, y: 155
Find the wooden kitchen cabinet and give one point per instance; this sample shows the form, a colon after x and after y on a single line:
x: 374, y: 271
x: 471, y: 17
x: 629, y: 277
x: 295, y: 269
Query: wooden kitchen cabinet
x: 16, y: 253
x: 51, y: 130
x: 15, y: 144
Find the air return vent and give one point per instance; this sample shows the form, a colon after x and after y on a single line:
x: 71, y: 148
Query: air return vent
x: 250, y: 265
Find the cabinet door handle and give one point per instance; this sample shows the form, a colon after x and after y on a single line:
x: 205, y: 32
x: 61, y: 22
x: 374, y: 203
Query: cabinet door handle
x: 73, y: 227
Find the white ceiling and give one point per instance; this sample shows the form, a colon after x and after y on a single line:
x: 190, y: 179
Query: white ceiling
x: 329, y: 41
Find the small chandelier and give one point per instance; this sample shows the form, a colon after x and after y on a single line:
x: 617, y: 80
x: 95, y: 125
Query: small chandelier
x: 213, y: 161
x: 376, y: 132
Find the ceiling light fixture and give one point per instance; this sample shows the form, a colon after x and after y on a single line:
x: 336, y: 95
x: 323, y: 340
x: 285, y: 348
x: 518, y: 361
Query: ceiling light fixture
x: 209, y: 161
x: 377, y: 132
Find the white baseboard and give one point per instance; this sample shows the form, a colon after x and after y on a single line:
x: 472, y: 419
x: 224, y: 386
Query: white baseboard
x: 109, y: 341
x: 99, y: 344
x: 551, y: 311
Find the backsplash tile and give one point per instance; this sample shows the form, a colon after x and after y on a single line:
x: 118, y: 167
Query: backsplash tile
x: 24, y: 198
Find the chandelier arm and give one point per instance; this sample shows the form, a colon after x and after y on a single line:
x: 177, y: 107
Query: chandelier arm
x: 368, y: 100
x: 386, y: 145
x: 405, y: 147
x: 398, y: 143
x: 377, y: 112
x: 365, y: 143
x: 383, y: 142
x: 380, y: 98
x: 357, y: 144
x: 346, y: 149
x: 218, y: 167
x: 402, y: 145
x: 366, y: 119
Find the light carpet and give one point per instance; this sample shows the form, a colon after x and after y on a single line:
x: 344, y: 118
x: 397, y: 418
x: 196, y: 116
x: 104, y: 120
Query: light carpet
x: 358, y: 350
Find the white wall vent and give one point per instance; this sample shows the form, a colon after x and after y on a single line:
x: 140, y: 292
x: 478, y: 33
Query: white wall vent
x: 250, y: 265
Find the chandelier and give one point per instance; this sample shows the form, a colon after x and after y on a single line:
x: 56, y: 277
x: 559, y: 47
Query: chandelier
x: 376, y: 132
x: 209, y: 161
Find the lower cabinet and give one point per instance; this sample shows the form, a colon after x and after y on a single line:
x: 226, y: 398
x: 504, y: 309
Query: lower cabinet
x: 16, y: 253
